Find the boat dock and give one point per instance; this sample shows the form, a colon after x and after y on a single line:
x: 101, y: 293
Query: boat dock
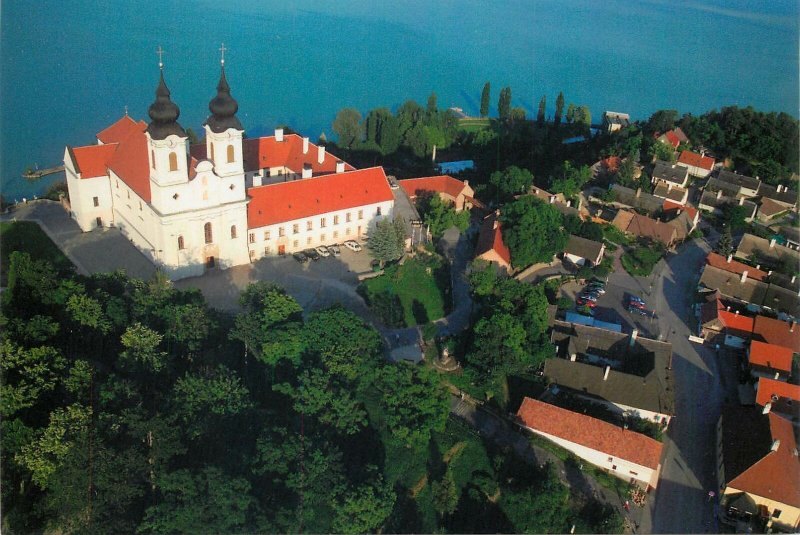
x: 39, y: 173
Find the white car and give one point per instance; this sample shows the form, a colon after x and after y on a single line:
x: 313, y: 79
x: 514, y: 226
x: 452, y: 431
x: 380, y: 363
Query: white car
x: 323, y: 251
x: 334, y: 249
x: 352, y: 245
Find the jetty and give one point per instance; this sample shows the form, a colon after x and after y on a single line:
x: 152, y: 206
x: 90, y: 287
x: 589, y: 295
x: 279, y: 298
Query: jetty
x: 39, y: 173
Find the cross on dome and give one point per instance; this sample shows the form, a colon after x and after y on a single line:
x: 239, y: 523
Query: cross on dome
x: 222, y: 50
x: 160, y: 53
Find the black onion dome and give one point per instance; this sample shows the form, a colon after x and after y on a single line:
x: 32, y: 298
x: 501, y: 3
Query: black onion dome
x: 223, y: 108
x: 164, y: 114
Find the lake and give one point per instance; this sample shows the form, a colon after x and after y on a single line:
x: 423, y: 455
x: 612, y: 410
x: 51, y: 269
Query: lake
x: 69, y: 69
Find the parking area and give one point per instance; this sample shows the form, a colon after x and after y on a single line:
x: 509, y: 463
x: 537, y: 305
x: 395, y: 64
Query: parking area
x: 611, y: 307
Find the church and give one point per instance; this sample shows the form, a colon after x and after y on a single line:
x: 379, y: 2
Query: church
x: 228, y: 201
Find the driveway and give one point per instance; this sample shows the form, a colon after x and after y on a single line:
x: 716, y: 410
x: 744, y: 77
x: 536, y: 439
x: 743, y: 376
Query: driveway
x: 457, y: 248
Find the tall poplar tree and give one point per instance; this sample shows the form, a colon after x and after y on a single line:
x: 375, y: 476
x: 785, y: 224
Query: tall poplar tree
x: 559, y: 108
x: 542, y: 107
x: 485, y: 99
x: 504, y: 103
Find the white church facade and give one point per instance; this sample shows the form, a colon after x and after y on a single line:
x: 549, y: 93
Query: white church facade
x: 222, y: 203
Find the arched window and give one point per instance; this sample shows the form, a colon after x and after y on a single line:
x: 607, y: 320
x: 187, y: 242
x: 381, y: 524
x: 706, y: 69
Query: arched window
x: 230, y: 153
x: 207, y: 231
x: 153, y: 159
x: 233, y: 232
x: 212, y: 152
x: 173, y: 161
x: 180, y: 243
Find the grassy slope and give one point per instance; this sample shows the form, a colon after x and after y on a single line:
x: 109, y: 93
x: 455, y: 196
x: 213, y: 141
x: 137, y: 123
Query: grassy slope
x: 411, y: 283
x: 25, y: 236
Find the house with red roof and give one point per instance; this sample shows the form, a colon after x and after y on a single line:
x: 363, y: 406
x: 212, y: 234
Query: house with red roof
x: 491, y: 247
x: 458, y: 192
x: 673, y: 137
x: 225, y: 202
x: 699, y: 165
x: 717, y: 318
x: 622, y: 453
x: 777, y: 332
x: 758, y: 471
x: 769, y: 360
x: 780, y: 397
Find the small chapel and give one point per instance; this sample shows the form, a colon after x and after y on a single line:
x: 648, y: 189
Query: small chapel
x: 224, y: 202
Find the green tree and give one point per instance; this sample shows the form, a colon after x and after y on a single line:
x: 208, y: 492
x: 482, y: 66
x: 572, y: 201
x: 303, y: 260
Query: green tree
x: 662, y: 151
x: 511, y: 181
x: 365, y: 508
x: 188, y: 327
x: 504, y: 104
x: 725, y: 243
x: 141, y: 348
x: 498, y: 345
x: 413, y: 403
x: 532, y: 230
x: 347, y: 125
x: 583, y: 117
x: 27, y: 375
x: 662, y: 121
x: 571, y: 113
x: 432, y: 109
x: 387, y: 239
x: 440, y: 215
x: 540, y: 116
x: 559, y: 108
x: 485, y: 96
x: 570, y: 180
x: 734, y: 216
x: 445, y: 494
x: 201, y: 399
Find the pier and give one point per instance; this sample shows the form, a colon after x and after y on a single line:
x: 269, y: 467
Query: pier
x: 39, y: 173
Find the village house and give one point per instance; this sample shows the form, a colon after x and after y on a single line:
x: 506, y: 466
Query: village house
x: 714, y: 201
x: 673, y: 138
x: 490, y: 244
x: 628, y: 374
x: 770, y: 360
x: 756, y: 294
x: 768, y: 253
x: 777, y: 332
x: 625, y: 454
x: 780, y: 195
x: 584, y: 252
x: 457, y: 192
x: 779, y: 397
x: 683, y: 218
x: 613, y: 121
x: 758, y: 472
x: 699, y: 165
x: 672, y: 193
x: 644, y: 227
x: 744, y: 186
x: 717, y: 319
x: 670, y: 174
x: 637, y: 199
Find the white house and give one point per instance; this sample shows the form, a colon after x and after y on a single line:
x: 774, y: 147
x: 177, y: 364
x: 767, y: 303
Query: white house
x: 622, y: 453
x: 224, y: 202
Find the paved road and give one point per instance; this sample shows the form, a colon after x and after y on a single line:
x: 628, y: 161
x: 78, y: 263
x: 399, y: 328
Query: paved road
x: 458, y: 249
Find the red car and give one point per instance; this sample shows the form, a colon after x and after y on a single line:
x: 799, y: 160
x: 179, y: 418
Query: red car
x: 585, y: 302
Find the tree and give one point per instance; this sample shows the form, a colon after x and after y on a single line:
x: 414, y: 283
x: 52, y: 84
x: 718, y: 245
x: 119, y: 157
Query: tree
x: 583, y: 117
x: 365, y: 508
x: 725, y: 243
x: 485, y: 96
x: 662, y: 121
x: 387, y: 239
x: 141, y: 348
x: 571, y: 179
x: 413, y: 403
x: 504, y: 104
x: 511, y: 181
x: 439, y: 215
x: 532, y: 230
x: 662, y: 151
x: 200, y: 399
x: 27, y: 375
x: 498, y: 345
x: 540, y: 116
x: 734, y: 216
x: 432, y: 109
x: 445, y: 494
x: 570, y: 113
x: 188, y: 326
x: 347, y: 125
x: 559, y: 108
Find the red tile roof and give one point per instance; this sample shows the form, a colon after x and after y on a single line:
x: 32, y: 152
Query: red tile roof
x: 119, y: 130
x: 590, y: 432
x: 721, y: 262
x: 777, y: 332
x: 669, y: 206
x: 770, y: 356
x: 440, y: 184
x: 673, y: 139
x: 735, y: 321
x: 646, y: 227
x: 92, y: 161
x: 777, y: 475
x: 768, y: 387
x: 490, y: 238
x: 131, y: 163
x: 296, y: 199
x: 695, y: 160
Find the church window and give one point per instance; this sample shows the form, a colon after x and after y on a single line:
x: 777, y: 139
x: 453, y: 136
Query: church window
x: 266, y: 235
x: 309, y: 225
x: 230, y: 154
x: 347, y: 218
x: 175, y: 196
x: 173, y: 161
x: 152, y: 159
x: 335, y: 234
x: 231, y: 187
x: 308, y: 240
x: 212, y: 151
x: 181, y: 245
x: 295, y: 229
x: 776, y: 513
x: 322, y: 238
x: 205, y: 195
x: 96, y: 201
x: 296, y: 244
x: 207, y: 231
x: 252, y: 237
x: 322, y: 222
x: 233, y: 232
x: 378, y: 211
x: 281, y: 233
x: 361, y: 214
x: 336, y: 220
x: 205, y: 181
x: 347, y: 231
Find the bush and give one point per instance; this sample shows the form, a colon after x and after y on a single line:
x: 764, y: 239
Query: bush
x: 564, y: 303
x: 641, y: 260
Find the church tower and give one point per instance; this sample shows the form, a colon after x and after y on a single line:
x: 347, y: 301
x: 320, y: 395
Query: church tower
x: 166, y: 139
x: 223, y: 130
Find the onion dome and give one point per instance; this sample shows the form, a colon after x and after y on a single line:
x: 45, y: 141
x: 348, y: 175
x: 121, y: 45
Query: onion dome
x: 164, y: 114
x: 223, y: 108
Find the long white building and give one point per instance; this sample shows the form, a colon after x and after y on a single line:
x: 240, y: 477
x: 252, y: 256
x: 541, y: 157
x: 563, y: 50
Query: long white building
x: 222, y: 203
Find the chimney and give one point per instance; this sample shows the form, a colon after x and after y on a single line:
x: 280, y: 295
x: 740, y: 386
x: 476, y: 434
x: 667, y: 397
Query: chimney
x: 573, y: 357
x: 719, y: 194
x: 736, y: 312
x: 744, y: 276
x: 775, y: 445
x: 728, y: 308
x: 777, y: 375
x: 779, y: 187
x: 772, y: 243
x: 605, y: 375
x: 320, y: 153
x: 769, y: 272
x: 433, y: 155
x: 569, y: 203
x: 767, y: 408
x: 634, y: 334
x: 306, y: 170
x: 794, y: 277
x: 466, y: 183
x: 279, y: 134
x: 741, y: 201
x: 669, y: 187
x: 638, y: 192
x: 339, y: 166
x: 730, y: 257
x: 256, y: 180
x: 791, y: 326
x: 305, y: 145
x: 552, y: 199
x: 758, y: 266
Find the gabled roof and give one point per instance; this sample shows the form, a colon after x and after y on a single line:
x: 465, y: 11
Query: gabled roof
x: 92, y: 161
x: 740, y: 181
x: 680, y: 135
x: 777, y: 332
x: 675, y: 193
x: 645, y: 227
x: 770, y: 208
x: 734, y: 266
x: 770, y: 356
x: 120, y: 130
x: 583, y: 248
x: 670, y: 172
x: 670, y: 206
x: 693, y: 159
x: 130, y: 161
x: 297, y: 199
x: 439, y: 184
x: 672, y: 139
x: 765, y: 250
x: 637, y: 198
x: 786, y: 196
x: 590, y: 432
x: 490, y: 238
x: 769, y: 389
x: 731, y: 285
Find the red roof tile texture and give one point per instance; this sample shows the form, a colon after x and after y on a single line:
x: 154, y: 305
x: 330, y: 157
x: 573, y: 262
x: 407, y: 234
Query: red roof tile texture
x: 688, y: 157
x: 721, y: 262
x: 590, y: 432
x: 777, y: 475
x: 490, y: 238
x: 92, y: 161
x: 130, y: 161
x: 297, y: 199
x: 120, y: 130
x: 439, y: 184
x: 777, y: 332
x: 672, y: 137
x: 770, y: 356
x: 771, y: 387
x: 669, y: 206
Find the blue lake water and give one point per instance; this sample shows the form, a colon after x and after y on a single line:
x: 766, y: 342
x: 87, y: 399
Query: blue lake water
x: 68, y: 69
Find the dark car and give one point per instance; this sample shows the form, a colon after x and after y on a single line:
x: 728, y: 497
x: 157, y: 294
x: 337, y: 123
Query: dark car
x: 590, y: 297
x: 592, y: 287
x: 638, y: 310
x: 300, y: 257
x: 312, y: 254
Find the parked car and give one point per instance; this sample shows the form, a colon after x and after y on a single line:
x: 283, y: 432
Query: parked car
x: 596, y: 288
x: 300, y: 257
x: 585, y: 302
x: 639, y: 310
x: 334, y: 249
x: 593, y: 293
x: 323, y: 251
x: 352, y: 245
x: 312, y: 254
x: 634, y: 301
x: 590, y: 297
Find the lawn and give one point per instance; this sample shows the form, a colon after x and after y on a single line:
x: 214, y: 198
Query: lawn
x: 473, y: 125
x: 615, y: 235
x: 413, y: 293
x: 27, y: 237
x: 640, y: 259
